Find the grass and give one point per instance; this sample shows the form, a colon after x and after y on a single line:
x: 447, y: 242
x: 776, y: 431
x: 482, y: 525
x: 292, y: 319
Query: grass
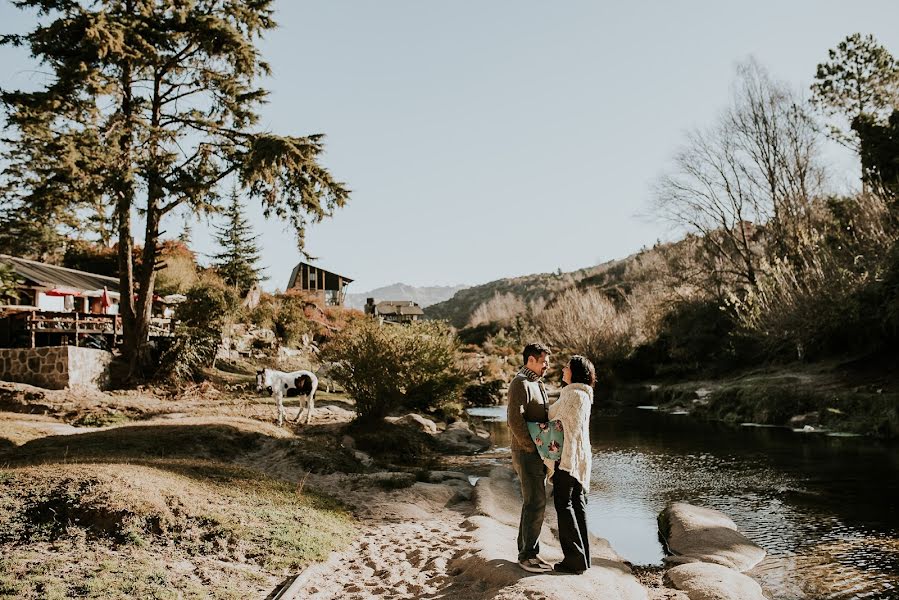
x: 119, y: 530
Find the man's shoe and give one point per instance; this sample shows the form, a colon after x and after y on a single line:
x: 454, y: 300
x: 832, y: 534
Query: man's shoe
x: 561, y: 568
x: 534, y: 565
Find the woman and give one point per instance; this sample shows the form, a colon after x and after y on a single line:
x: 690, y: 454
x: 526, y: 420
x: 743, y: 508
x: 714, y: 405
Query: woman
x: 571, y: 479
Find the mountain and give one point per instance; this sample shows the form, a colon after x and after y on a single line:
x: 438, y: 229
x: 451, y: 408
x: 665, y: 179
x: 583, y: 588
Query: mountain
x: 424, y: 296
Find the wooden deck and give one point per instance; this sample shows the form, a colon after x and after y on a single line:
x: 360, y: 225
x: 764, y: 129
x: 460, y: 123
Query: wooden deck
x: 43, y: 328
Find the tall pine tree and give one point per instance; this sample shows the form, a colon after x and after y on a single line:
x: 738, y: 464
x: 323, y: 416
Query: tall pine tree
x: 149, y: 105
x: 237, y: 263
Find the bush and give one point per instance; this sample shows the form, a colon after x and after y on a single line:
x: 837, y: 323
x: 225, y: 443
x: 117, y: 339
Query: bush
x: 209, y: 306
x: 484, y: 394
x: 384, y: 367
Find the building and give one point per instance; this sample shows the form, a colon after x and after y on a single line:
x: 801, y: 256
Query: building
x: 58, y: 306
x: 51, y: 288
x: 394, y: 311
x: 317, y: 283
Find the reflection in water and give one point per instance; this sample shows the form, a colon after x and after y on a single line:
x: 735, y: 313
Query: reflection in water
x: 824, y: 508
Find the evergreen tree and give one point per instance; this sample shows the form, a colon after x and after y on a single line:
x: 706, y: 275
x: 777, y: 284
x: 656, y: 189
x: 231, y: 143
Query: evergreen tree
x: 861, y: 78
x: 238, y: 259
x: 149, y: 105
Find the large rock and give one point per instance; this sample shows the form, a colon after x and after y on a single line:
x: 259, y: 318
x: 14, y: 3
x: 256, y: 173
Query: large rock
x: 693, y: 534
x: 705, y: 581
x: 458, y: 437
x: 417, y: 421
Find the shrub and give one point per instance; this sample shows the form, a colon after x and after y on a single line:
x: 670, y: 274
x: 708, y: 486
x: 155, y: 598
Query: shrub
x: 384, y: 367
x: 484, y: 394
x: 208, y: 308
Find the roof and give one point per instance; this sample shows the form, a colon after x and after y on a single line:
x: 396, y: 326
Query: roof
x: 329, y: 281
x: 51, y: 276
x: 398, y: 307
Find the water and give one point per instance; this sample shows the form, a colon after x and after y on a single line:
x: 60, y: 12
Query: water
x: 824, y: 508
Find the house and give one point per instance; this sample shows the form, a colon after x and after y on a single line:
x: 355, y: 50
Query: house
x: 51, y: 288
x: 317, y: 283
x: 394, y: 311
x: 58, y: 306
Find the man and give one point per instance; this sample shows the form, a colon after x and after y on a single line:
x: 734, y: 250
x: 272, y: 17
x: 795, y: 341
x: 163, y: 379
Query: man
x: 528, y: 402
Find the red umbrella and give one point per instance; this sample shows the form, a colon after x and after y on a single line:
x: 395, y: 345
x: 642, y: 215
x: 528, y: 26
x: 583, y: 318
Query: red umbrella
x: 63, y: 292
x: 104, y: 300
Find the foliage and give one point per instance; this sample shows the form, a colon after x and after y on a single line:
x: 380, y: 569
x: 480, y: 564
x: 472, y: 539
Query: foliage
x: 500, y: 309
x: 290, y: 322
x: 484, y: 394
x: 759, y: 164
x: 236, y: 263
x: 384, y: 367
x: 586, y: 322
x: 9, y: 282
x: 817, y: 306
x: 860, y: 79
x: 202, y: 318
x: 879, y: 151
x: 148, y: 108
x: 179, y: 272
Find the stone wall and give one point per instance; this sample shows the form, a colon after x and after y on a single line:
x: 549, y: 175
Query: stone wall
x: 56, y: 367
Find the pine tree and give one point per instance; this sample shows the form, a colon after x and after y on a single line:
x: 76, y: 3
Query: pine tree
x: 238, y: 260
x: 148, y: 105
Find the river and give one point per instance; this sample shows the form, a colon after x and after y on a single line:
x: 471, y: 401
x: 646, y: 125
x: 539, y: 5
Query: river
x: 823, y: 507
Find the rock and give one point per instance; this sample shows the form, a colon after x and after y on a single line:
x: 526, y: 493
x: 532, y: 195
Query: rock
x: 363, y: 458
x: 706, y: 581
x: 417, y: 421
x: 439, y: 476
x: 700, y: 534
x: 459, y: 437
x: 348, y: 442
x: 807, y: 419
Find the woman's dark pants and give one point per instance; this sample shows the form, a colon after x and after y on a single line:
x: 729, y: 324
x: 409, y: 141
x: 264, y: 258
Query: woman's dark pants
x: 530, y: 470
x: 571, y: 502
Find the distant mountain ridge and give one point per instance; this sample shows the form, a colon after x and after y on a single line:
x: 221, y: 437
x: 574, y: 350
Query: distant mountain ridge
x: 424, y: 296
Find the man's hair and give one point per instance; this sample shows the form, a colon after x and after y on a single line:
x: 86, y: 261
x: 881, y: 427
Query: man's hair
x: 582, y: 370
x: 534, y: 349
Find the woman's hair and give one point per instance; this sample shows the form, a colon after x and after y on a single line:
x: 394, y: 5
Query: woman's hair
x: 582, y: 370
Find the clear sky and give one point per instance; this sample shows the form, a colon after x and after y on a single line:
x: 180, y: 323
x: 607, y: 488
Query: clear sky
x: 487, y: 139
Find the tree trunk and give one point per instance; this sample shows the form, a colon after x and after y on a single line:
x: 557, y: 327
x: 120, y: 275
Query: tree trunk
x: 124, y: 204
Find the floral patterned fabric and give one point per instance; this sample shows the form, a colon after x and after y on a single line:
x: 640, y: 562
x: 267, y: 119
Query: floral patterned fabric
x: 549, y: 438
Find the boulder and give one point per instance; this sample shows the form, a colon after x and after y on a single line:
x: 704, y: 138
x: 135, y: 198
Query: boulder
x: 458, y: 437
x: 693, y: 533
x: 417, y: 421
x: 705, y: 581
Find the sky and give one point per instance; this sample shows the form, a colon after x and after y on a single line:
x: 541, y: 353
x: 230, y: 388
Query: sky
x: 484, y: 140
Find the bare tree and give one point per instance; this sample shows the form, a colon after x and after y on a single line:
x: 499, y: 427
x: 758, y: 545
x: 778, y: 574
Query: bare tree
x: 746, y: 184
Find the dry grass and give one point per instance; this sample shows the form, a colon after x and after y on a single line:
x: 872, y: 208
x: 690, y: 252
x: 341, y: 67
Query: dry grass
x: 179, y: 529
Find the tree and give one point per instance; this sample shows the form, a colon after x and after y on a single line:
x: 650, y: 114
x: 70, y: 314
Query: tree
x: 9, y: 282
x: 879, y: 151
x: 860, y: 78
x: 758, y: 166
x: 164, y: 93
x: 237, y: 262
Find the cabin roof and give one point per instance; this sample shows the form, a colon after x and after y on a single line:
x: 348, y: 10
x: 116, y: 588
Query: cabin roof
x: 50, y: 276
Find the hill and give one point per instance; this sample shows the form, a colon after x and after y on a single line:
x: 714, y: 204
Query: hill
x: 529, y: 288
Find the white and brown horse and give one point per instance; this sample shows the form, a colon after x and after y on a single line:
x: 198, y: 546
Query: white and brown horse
x: 280, y: 384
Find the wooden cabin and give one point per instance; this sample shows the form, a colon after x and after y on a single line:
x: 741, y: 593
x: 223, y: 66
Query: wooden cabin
x: 58, y: 306
x: 319, y: 284
x: 394, y: 311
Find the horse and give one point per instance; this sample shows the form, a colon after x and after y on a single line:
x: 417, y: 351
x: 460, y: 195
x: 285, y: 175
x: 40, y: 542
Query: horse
x: 296, y: 383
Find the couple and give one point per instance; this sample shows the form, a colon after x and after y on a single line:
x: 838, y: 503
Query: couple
x: 570, y: 474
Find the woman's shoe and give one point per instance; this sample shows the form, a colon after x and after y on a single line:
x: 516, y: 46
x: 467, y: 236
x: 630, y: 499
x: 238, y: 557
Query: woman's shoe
x: 535, y: 565
x: 565, y: 569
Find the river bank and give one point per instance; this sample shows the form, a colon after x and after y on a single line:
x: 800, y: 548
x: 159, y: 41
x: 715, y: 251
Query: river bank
x: 835, y: 397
